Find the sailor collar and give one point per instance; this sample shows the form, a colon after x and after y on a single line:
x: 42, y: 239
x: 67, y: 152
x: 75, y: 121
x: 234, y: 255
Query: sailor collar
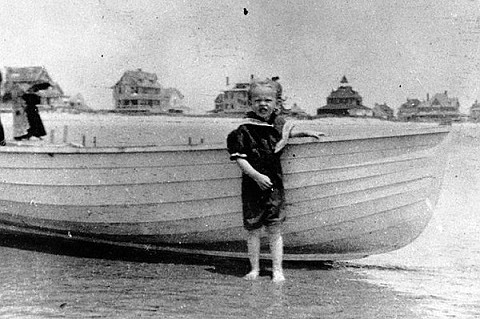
x: 286, y: 130
x: 253, y: 121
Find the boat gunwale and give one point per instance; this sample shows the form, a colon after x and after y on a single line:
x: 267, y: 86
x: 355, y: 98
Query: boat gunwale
x: 74, y: 149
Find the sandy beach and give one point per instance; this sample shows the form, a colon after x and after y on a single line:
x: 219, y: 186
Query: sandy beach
x: 122, y: 130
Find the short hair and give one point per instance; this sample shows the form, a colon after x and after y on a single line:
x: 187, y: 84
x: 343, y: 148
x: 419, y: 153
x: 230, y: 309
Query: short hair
x: 261, y: 83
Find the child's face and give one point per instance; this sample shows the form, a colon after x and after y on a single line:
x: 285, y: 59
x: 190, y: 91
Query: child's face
x: 263, y: 101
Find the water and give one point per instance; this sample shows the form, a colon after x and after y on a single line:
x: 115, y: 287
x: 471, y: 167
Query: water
x: 442, y: 279
x: 435, y: 277
x: 442, y: 268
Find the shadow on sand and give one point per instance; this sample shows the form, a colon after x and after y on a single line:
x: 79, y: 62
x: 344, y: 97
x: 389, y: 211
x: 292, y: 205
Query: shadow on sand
x: 222, y: 265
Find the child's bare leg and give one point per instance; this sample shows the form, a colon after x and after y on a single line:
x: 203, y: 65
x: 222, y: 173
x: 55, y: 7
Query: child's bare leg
x: 253, y: 243
x: 276, y: 248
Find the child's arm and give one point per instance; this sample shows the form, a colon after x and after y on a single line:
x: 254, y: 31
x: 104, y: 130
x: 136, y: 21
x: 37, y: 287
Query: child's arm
x: 287, y: 133
x: 263, y: 181
x: 307, y: 134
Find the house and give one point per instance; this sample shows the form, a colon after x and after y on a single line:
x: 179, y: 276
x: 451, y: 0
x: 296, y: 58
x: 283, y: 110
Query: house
x: 138, y: 91
x: 298, y: 112
x: 172, y: 101
x: 23, y: 78
x: 218, y: 104
x: 344, y: 102
x: 408, y: 110
x: 383, y: 111
x: 234, y: 99
x: 440, y: 107
x: 475, y: 112
x: 77, y: 103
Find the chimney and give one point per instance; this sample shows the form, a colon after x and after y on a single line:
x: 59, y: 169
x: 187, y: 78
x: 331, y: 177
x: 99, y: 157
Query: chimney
x: 251, y: 76
x: 228, y: 81
x: 445, y: 92
x: 428, y: 97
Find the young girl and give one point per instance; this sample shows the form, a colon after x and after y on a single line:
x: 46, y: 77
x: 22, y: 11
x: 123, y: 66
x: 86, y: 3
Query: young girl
x: 256, y: 147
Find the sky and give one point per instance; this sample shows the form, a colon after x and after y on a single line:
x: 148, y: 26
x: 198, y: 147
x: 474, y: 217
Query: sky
x: 389, y: 50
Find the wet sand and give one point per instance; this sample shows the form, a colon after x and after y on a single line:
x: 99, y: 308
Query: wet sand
x: 107, y: 283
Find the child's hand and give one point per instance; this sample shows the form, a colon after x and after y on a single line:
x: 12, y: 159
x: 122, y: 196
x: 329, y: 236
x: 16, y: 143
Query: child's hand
x: 316, y: 135
x: 308, y: 134
x: 311, y: 134
x: 263, y: 181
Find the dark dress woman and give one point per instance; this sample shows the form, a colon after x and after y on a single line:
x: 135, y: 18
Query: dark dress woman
x: 2, y: 135
x: 35, y: 123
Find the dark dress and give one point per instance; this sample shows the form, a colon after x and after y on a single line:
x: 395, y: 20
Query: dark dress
x: 35, y: 123
x: 2, y: 135
x: 2, y: 132
x: 255, y: 141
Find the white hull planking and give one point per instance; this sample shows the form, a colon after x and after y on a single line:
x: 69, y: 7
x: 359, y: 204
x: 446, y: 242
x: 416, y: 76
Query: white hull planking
x: 345, y: 198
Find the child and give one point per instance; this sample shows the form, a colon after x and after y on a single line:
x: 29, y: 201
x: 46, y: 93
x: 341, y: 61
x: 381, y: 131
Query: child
x: 256, y: 147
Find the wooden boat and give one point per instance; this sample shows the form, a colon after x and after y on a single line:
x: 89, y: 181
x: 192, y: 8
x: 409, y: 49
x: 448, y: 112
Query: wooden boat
x: 346, y: 197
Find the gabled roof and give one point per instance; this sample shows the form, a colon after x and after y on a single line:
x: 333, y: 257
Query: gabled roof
x: 22, y: 79
x: 27, y: 74
x: 168, y: 92
x: 475, y: 106
x: 441, y: 100
x: 139, y: 78
x: 220, y: 98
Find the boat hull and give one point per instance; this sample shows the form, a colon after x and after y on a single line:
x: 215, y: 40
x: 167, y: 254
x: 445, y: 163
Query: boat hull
x: 345, y: 197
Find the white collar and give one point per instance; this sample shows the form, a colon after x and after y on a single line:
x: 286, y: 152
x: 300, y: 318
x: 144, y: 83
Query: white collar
x: 249, y: 120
